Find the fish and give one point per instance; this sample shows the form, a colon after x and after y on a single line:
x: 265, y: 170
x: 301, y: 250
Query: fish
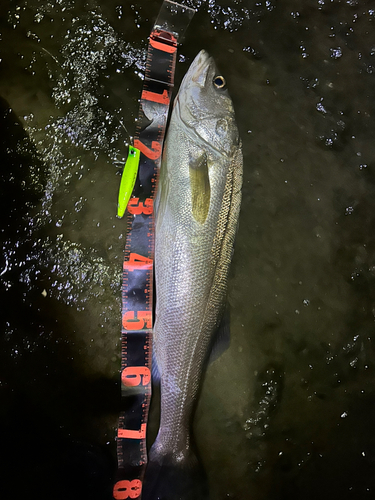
x: 197, y: 209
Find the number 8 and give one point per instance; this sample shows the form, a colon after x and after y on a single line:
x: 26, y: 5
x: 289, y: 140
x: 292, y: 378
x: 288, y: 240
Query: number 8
x: 127, y: 489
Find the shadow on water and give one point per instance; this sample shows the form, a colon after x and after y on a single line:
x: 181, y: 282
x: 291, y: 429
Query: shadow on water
x: 45, y: 402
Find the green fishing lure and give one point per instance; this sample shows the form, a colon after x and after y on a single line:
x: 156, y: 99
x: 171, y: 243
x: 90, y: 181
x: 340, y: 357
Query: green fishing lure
x: 129, y: 174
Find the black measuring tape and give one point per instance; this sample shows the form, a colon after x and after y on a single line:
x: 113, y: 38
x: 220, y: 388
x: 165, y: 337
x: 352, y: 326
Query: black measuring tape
x: 137, y: 288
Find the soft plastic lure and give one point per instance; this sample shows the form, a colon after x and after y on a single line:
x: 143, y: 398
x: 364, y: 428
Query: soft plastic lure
x: 129, y: 174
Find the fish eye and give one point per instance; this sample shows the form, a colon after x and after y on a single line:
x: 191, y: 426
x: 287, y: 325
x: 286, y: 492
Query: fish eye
x: 219, y: 82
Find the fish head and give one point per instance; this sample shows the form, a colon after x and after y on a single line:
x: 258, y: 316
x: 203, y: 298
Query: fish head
x: 206, y: 107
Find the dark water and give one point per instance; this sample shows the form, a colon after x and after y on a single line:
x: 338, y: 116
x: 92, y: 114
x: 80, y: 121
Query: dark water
x: 287, y: 411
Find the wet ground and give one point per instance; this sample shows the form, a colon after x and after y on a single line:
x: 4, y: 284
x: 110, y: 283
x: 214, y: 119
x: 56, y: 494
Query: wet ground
x: 287, y: 411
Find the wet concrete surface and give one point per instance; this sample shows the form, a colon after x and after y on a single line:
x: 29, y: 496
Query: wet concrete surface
x: 287, y: 410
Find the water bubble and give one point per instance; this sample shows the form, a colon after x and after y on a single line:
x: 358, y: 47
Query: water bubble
x: 336, y: 53
x: 321, y: 108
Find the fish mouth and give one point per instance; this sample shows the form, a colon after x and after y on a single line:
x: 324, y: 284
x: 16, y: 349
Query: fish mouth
x: 200, y: 67
x: 197, y: 74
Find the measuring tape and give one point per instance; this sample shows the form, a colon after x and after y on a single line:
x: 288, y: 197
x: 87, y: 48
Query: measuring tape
x: 137, y: 288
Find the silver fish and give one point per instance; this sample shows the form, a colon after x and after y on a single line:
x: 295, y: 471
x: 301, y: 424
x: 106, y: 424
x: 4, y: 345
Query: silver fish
x: 197, y: 206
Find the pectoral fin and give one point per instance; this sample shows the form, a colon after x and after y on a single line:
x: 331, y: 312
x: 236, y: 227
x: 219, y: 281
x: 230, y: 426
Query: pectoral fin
x: 200, y: 187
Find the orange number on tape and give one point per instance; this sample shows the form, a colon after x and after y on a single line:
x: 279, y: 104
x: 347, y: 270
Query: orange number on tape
x: 137, y: 261
x: 137, y: 320
x: 136, y: 207
x: 153, y: 153
x: 155, y: 97
x: 135, y: 375
x: 127, y: 489
x: 163, y: 46
x: 129, y: 434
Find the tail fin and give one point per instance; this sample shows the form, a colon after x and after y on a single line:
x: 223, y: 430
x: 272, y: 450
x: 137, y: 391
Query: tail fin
x: 168, y: 479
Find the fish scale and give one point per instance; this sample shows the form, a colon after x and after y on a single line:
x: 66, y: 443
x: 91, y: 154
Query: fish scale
x: 193, y: 249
